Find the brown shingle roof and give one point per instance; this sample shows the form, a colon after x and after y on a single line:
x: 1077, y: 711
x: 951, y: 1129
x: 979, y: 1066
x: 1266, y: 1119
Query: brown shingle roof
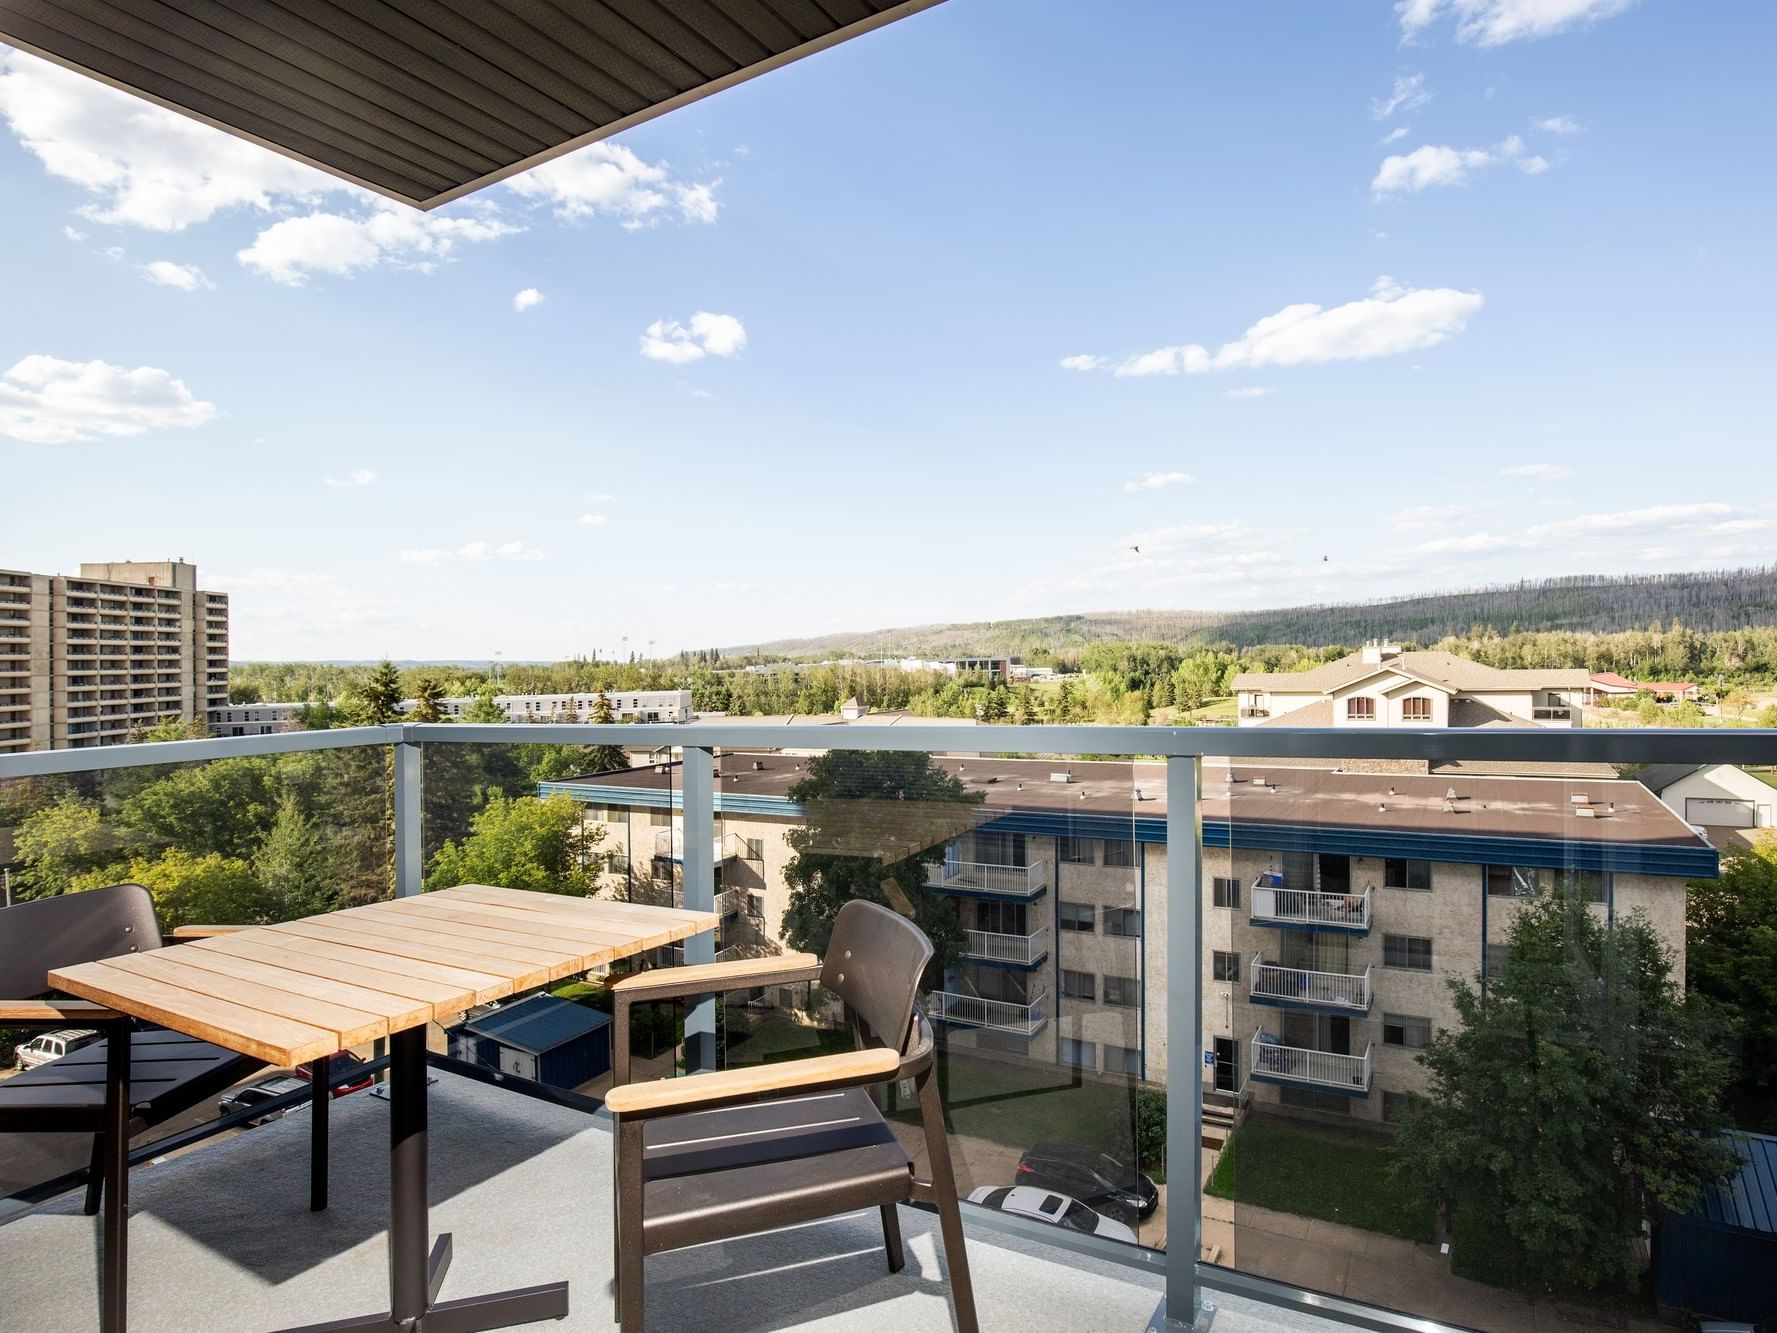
x: 1446, y: 669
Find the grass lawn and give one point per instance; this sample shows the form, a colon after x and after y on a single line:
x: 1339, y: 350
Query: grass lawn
x: 1765, y: 775
x: 1316, y: 1172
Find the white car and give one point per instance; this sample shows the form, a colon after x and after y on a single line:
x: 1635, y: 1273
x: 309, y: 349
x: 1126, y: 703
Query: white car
x: 1048, y: 1206
x: 52, y: 1046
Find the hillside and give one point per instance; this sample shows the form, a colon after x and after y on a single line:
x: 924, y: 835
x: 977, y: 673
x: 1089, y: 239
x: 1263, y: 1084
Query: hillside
x: 1704, y: 601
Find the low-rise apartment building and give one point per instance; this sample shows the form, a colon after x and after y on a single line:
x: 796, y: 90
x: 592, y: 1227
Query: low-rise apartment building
x: 88, y: 659
x: 1382, y: 686
x: 1336, y: 903
x: 262, y: 719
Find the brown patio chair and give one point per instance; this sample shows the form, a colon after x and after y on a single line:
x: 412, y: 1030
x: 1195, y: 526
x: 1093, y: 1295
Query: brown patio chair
x: 720, y: 1155
x: 166, y: 1073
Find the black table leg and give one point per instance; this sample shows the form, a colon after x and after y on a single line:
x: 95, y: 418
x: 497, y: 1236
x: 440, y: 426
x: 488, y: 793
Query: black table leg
x: 113, y: 1286
x: 320, y: 1104
x: 414, y: 1273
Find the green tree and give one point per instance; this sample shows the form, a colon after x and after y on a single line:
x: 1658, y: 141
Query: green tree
x: 224, y: 806
x: 58, y: 844
x: 604, y: 758
x: 428, y: 700
x: 1688, y: 714
x: 482, y: 710
x: 187, y: 889
x: 523, y: 843
x: 992, y: 707
x: 1731, y: 953
x: 875, y: 825
x: 1767, y: 716
x: 1577, y: 1098
x: 1736, y: 701
x: 298, y: 869
x: 1024, y: 706
x: 1647, y: 712
x: 377, y: 698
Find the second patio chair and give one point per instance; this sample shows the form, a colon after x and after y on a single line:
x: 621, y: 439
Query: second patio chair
x: 720, y: 1155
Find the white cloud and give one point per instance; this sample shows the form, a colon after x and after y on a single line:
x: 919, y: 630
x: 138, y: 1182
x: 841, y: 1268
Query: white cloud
x: 1472, y: 543
x: 473, y: 552
x: 357, y: 477
x: 1391, y: 320
x: 1158, y: 481
x: 1395, y: 135
x: 423, y: 555
x: 1428, y: 165
x: 524, y: 300
x: 602, y: 498
x: 707, y: 335
x: 1562, y: 125
x: 608, y: 180
x: 290, y: 250
x: 72, y: 234
x: 1657, y: 518
x: 186, y: 277
x: 1541, y: 471
x: 1408, y: 94
x: 1495, y: 22
x: 595, y: 520
x: 1420, y: 517
x: 1082, y: 361
x: 1248, y: 391
x: 141, y: 165
x: 45, y: 400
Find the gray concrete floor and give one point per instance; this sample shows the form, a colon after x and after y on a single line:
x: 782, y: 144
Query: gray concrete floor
x: 221, y: 1239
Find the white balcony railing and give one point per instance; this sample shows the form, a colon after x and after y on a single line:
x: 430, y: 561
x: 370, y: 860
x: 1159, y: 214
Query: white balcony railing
x: 1276, y: 905
x: 986, y: 877
x: 1316, y: 1069
x: 999, y: 948
x: 974, y: 1011
x: 669, y: 844
x: 1320, y: 990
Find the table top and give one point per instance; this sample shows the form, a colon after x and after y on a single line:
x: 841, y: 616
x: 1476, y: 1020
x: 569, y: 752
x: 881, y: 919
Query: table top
x: 298, y: 990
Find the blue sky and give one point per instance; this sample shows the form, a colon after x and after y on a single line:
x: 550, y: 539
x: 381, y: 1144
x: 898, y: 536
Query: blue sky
x: 1353, y: 300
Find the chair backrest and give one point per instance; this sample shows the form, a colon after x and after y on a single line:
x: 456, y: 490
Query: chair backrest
x: 874, y: 964
x: 39, y: 936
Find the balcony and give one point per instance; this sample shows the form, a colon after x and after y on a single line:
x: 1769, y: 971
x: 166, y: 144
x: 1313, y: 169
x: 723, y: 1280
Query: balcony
x: 1308, y: 909
x: 987, y: 946
x: 971, y: 1011
x: 1551, y: 714
x: 1297, y: 988
x: 983, y: 879
x: 669, y: 845
x: 1296, y: 1066
x: 1255, y: 712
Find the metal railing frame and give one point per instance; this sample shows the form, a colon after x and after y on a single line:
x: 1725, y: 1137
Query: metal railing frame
x: 1183, y: 750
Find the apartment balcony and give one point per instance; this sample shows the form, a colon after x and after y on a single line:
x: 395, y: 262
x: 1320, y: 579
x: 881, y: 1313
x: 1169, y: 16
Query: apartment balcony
x: 1255, y: 712
x: 1296, y: 1066
x: 1025, y: 951
x: 971, y: 1011
x: 1297, y: 988
x: 984, y: 879
x: 1308, y: 909
x: 669, y: 845
x: 1551, y: 714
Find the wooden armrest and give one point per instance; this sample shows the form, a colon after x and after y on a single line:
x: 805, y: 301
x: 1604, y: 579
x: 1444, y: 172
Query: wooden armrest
x: 204, y: 932
x: 707, y: 978
x: 55, y: 1011
x: 813, y: 1074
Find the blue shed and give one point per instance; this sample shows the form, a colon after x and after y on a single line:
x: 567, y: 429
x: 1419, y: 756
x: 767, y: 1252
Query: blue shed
x: 544, y: 1039
x: 1720, y: 1259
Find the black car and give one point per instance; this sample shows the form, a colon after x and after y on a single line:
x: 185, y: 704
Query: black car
x: 1097, y: 1179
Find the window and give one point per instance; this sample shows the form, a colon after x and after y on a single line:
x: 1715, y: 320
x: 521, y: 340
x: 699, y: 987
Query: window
x: 755, y: 849
x: 1122, y: 921
x: 1119, y: 852
x: 1415, y: 875
x: 1395, y: 1105
x: 1123, y: 1060
x: 1227, y: 892
x: 1360, y: 708
x: 1122, y: 991
x: 1407, y: 1030
x: 1331, y: 1103
x: 660, y: 818
x: 999, y: 849
x: 1080, y: 1054
x: 1412, y: 952
x: 1079, y: 985
x: 1512, y: 881
x: 1074, y: 851
x: 1227, y: 965
x: 1082, y: 917
x: 1588, y: 884
x: 1495, y: 958
x: 1416, y: 709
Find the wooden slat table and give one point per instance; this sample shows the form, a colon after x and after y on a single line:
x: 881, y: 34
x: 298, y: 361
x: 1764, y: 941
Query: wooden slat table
x: 302, y: 990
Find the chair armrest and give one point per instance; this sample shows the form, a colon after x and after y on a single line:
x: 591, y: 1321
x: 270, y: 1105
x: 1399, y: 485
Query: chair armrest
x: 204, y: 932
x: 56, y: 1011
x: 659, y: 983
x: 705, y: 1091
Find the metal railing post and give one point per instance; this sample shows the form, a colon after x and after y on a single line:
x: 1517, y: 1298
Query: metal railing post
x: 409, y: 818
x: 1184, y: 1024
x: 699, y: 803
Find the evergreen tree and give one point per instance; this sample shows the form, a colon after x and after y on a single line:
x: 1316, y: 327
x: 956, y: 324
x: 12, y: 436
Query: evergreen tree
x: 428, y: 700
x: 604, y: 758
x: 377, y: 698
x: 298, y: 869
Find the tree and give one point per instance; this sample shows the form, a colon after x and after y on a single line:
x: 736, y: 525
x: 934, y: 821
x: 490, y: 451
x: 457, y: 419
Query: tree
x: 1736, y: 701
x: 874, y: 827
x: 428, y: 700
x: 1647, y: 711
x: 604, y: 758
x: 187, y: 889
x: 1576, y: 1100
x: 1767, y: 716
x: 59, y: 843
x: 377, y: 698
x: 523, y: 843
x: 1688, y: 714
x: 224, y: 806
x: 482, y: 709
x: 298, y: 869
x: 1731, y: 953
x: 1024, y: 706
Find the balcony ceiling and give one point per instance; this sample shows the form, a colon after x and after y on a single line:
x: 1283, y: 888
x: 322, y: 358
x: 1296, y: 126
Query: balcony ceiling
x: 425, y: 101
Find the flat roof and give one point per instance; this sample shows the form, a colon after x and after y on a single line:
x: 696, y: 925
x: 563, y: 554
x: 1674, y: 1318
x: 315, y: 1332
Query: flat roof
x: 425, y: 102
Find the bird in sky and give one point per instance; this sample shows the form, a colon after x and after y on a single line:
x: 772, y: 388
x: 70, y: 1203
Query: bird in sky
x: 1136, y: 549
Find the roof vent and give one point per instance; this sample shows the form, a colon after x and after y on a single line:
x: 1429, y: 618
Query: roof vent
x: 1585, y: 812
x: 1450, y: 794
x: 1382, y: 808
x: 1579, y: 798
x: 758, y: 765
x: 1066, y: 775
x: 1138, y: 795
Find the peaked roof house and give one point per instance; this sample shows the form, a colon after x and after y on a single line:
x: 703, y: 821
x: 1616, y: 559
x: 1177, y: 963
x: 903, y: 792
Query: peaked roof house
x: 1609, y: 685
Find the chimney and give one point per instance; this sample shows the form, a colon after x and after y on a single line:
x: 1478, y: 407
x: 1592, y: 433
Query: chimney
x: 1378, y: 651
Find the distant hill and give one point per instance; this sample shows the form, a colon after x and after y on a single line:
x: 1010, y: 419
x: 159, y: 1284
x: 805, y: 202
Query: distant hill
x: 1710, y: 600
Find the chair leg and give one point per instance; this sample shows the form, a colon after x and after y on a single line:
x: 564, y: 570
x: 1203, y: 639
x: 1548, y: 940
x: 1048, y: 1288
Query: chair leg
x: 950, y: 1220
x: 891, y: 1237
x: 95, y: 1176
x: 630, y: 1272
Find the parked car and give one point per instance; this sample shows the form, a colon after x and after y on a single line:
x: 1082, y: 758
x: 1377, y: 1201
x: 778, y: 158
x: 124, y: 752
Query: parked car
x: 1048, y: 1206
x: 1100, y: 1180
x: 40, y: 1050
x: 347, y: 1075
x: 254, y: 1094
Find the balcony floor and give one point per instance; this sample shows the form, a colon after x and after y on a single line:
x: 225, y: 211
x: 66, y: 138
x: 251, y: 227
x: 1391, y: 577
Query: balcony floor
x: 220, y: 1237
